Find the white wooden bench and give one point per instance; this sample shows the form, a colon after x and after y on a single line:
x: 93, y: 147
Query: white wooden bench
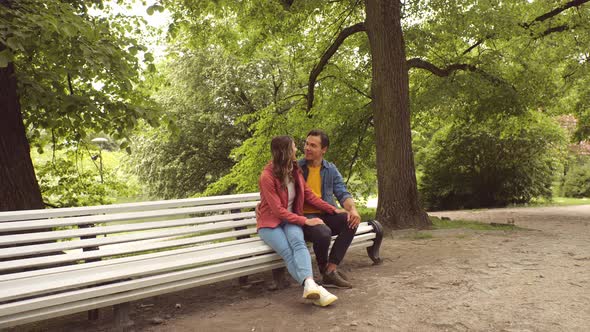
x: 56, y: 262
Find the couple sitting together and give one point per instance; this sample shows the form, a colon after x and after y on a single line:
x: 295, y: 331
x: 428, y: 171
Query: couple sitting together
x: 297, y: 204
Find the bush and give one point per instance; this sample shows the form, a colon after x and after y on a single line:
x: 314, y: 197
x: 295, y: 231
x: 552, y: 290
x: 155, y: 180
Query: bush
x: 577, y: 180
x: 495, y: 162
x: 66, y: 183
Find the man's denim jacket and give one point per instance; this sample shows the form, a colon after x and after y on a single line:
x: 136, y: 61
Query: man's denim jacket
x: 332, y: 182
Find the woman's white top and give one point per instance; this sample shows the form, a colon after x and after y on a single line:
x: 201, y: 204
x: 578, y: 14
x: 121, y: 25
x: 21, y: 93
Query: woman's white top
x: 291, y: 189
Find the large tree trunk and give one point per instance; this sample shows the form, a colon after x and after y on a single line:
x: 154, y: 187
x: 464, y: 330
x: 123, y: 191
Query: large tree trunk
x: 19, y: 189
x: 398, y: 205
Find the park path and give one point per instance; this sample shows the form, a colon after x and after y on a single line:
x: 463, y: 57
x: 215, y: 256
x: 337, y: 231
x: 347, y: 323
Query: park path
x: 536, y: 279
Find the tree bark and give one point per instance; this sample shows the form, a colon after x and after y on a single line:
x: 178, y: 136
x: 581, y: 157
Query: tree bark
x: 398, y: 205
x: 19, y: 189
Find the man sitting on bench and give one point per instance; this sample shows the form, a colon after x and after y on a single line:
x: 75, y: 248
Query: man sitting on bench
x: 325, y: 181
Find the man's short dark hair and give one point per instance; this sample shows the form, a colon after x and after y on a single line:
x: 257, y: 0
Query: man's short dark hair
x: 322, y: 135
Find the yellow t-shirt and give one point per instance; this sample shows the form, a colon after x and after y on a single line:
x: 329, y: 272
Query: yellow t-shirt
x: 314, y: 181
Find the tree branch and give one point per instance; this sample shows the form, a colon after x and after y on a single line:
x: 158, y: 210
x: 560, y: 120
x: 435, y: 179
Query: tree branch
x: 244, y: 100
x: 70, y: 85
x: 441, y: 72
x: 479, y: 42
x: 287, y: 3
x: 559, y: 28
x: 556, y: 11
x: 447, y: 71
x: 358, y: 146
x: 352, y: 87
x: 544, y: 17
x: 317, y: 69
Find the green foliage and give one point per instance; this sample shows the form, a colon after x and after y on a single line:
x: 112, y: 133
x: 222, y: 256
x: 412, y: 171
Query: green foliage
x: 555, y: 201
x: 502, y: 160
x: 518, y: 68
x: 367, y: 213
x: 76, y: 73
x: 206, y: 95
x: 267, y: 36
x: 69, y: 181
x: 577, y: 180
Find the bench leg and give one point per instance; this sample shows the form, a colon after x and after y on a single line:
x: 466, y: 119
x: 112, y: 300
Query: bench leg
x: 373, y: 251
x: 121, y: 315
x: 243, y: 280
x: 93, y: 314
x: 279, y: 280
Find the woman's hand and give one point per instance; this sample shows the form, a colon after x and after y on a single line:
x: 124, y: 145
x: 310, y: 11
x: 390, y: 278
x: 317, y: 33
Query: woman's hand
x: 314, y: 222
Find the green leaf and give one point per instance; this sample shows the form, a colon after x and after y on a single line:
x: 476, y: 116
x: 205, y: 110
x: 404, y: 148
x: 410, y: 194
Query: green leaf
x: 150, y: 10
x: 148, y: 57
x: 5, y: 58
x: 14, y: 44
x: 69, y: 30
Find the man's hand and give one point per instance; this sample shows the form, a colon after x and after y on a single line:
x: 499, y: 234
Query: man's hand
x: 338, y: 211
x: 314, y: 222
x: 354, y: 218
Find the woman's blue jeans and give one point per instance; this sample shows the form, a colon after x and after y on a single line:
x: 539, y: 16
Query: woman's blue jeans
x: 287, y: 240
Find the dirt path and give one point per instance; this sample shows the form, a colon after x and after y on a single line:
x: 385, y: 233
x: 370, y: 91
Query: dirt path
x: 527, y: 280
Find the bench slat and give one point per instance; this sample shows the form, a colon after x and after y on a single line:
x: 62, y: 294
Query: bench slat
x: 82, y: 267
x: 69, y: 221
x: 72, y: 257
x: 172, y: 260
x: 67, y: 245
x: 84, y: 305
x: 125, y: 207
x: 99, y: 291
x: 143, y: 265
x: 363, y: 228
x: 100, y: 230
x: 88, y: 303
x: 93, y: 254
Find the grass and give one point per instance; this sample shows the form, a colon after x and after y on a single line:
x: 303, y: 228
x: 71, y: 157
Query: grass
x: 466, y: 224
x: 421, y: 236
x: 459, y: 224
x: 556, y: 201
x: 369, y: 214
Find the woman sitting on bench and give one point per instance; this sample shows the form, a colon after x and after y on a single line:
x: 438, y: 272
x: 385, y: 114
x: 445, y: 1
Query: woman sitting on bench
x: 279, y: 219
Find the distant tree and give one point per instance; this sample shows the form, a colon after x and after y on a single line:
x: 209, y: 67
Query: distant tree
x: 478, y: 41
x: 205, y: 94
x: 66, y: 73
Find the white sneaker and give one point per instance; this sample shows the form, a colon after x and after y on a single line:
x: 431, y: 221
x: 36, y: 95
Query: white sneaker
x: 326, y: 298
x: 311, y: 290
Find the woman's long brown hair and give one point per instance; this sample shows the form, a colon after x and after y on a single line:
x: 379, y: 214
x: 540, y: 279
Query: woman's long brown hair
x: 281, y: 148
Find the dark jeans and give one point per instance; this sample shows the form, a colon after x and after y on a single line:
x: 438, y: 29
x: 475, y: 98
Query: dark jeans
x: 321, y: 235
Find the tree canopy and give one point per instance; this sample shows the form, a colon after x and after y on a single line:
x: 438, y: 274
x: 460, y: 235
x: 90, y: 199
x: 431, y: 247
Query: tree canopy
x: 76, y: 72
x: 238, y: 73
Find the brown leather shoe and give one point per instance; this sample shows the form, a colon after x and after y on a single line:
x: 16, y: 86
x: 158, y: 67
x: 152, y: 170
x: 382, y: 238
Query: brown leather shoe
x: 344, y: 276
x: 333, y: 279
x: 323, y: 271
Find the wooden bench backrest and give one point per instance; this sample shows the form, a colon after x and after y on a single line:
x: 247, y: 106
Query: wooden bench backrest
x: 122, y: 229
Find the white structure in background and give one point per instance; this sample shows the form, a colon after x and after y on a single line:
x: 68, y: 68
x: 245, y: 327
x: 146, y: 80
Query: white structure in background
x: 372, y: 202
